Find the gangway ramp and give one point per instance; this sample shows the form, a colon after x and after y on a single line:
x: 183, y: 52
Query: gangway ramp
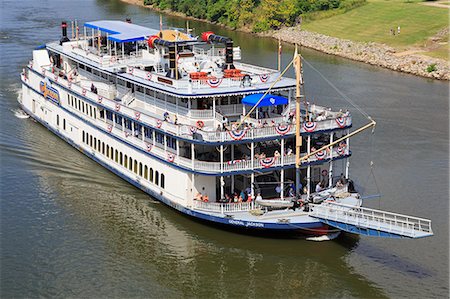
x: 371, y: 222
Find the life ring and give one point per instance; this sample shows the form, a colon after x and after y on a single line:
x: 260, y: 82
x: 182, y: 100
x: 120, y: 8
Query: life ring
x: 200, y: 124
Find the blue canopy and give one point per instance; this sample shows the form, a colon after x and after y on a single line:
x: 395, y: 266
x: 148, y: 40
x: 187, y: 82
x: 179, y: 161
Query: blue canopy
x: 122, y: 32
x: 268, y: 100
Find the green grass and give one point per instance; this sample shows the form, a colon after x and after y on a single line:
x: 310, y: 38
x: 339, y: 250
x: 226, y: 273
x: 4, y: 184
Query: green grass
x: 373, y: 21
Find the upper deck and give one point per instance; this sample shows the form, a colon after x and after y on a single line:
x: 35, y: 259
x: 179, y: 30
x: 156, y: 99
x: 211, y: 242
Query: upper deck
x: 179, y: 64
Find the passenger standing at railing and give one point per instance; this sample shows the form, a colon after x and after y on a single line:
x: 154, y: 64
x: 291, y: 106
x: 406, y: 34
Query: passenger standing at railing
x: 258, y: 197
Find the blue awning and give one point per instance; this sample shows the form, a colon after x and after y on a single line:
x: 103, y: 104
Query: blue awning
x: 269, y: 100
x: 122, y: 32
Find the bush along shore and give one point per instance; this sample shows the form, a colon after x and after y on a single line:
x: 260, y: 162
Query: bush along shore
x: 371, y: 53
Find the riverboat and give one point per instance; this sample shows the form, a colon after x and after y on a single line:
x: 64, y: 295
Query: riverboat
x: 181, y: 118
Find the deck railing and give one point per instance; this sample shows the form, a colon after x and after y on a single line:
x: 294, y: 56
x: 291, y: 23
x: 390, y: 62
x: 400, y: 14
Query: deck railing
x: 373, y: 219
x: 157, y: 106
x: 224, y: 207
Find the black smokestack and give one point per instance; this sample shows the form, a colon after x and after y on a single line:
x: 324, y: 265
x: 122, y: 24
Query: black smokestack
x: 209, y: 36
x: 172, y: 63
x: 64, y: 37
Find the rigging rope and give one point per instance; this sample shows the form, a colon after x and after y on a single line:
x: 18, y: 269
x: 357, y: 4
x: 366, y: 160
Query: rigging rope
x: 346, y: 98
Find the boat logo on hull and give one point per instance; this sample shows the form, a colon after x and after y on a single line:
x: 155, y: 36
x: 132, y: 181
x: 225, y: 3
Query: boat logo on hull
x: 49, y: 93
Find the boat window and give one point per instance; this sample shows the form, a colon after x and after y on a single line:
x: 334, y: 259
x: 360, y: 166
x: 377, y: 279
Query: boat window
x: 84, y: 137
x: 57, y: 120
x: 90, y: 111
x: 121, y: 159
x: 107, y: 150
x: 102, y: 114
x: 146, y: 172
x: 162, y: 180
x: 103, y: 148
x: 125, y: 164
x: 156, y: 177
x: 130, y: 165
x: 98, y: 144
x: 140, y: 169
x: 151, y: 175
x: 82, y: 106
x: 112, y: 153
x: 90, y: 141
x: 95, y: 112
x: 95, y: 143
x: 135, y: 166
x: 64, y: 124
x: 148, y: 133
x: 117, y: 156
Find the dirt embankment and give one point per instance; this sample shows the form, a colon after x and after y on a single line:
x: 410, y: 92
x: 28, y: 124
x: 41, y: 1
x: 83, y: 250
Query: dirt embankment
x: 372, y: 53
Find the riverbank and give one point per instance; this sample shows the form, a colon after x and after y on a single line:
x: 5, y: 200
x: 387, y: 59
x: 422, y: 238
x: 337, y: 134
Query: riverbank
x: 378, y: 54
x: 370, y: 52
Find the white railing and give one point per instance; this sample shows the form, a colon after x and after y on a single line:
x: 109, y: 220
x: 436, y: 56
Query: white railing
x: 224, y: 207
x: 159, y: 107
x: 233, y: 109
x: 374, y: 219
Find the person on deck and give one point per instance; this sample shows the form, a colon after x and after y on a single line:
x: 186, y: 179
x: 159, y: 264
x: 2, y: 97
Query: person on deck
x: 259, y: 197
x: 319, y: 187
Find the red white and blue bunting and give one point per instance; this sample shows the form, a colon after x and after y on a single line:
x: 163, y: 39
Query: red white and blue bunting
x: 117, y: 108
x: 237, y: 134
x: 234, y: 162
x: 341, y: 121
x: 340, y: 150
x: 264, y: 77
x: 321, y: 155
x: 158, y: 123
x: 137, y: 115
x: 148, y: 147
x: 109, y: 128
x: 170, y: 157
x: 267, y: 162
x: 213, y: 82
x: 283, y: 129
x: 83, y: 91
x: 99, y: 99
x: 193, y: 130
x: 309, y: 126
x: 149, y: 76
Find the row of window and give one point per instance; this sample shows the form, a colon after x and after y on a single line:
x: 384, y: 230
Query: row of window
x: 128, y: 162
x: 81, y: 106
x: 119, y: 120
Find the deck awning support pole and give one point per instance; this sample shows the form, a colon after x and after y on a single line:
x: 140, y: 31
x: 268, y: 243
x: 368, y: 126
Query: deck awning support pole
x: 232, y: 176
x: 330, y: 172
x: 222, y: 183
x: 308, y: 172
x: 347, y: 164
x: 298, y: 138
x: 282, y: 168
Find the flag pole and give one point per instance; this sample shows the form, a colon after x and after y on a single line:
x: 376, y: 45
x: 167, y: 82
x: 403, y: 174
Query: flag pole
x: 298, y: 138
x: 279, y: 54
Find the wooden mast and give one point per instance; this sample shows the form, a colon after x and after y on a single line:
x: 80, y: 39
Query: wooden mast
x: 298, y: 138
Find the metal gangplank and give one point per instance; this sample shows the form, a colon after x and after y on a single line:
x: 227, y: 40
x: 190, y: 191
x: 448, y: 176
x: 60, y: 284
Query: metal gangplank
x: 370, y: 222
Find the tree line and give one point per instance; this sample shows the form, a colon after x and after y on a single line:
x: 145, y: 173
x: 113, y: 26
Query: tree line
x: 256, y: 15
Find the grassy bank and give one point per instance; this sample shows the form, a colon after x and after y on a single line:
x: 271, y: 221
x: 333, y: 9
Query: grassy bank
x: 374, y: 21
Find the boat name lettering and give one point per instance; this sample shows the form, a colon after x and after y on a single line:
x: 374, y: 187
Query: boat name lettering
x: 245, y: 223
x: 49, y: 92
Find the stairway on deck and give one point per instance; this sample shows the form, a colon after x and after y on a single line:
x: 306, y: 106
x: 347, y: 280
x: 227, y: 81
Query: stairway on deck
x: 371, y: 222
